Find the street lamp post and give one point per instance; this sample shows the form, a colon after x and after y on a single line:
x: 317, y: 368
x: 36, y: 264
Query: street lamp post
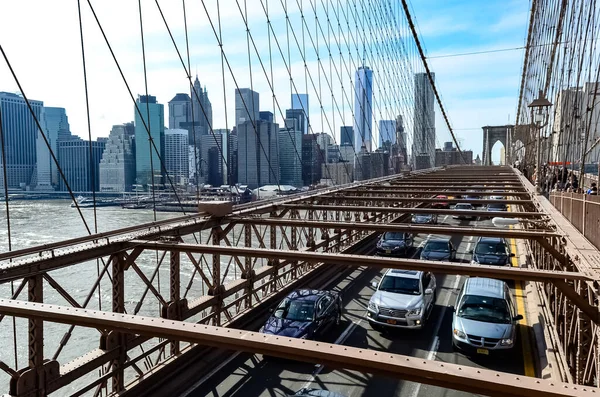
x: 539, y: 115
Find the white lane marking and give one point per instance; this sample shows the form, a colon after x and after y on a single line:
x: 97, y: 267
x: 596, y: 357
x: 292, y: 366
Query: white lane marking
x: 435, y: 343
x: 236, y: 354
x: 210, y: 374
x: 342, y: 338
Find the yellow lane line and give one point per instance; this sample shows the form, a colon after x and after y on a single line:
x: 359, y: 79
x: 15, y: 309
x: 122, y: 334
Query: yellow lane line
x: 523, y: 330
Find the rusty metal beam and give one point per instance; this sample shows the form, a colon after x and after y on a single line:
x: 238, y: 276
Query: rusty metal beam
x: 431, y: 372
x: 383, y: 190
x: 419, y: 199
x: 403, y: 227
x: 407, y: 210
x: 579, y: 301
x: 511, y: 273
x: 439, y: 187
x: 42, y: 265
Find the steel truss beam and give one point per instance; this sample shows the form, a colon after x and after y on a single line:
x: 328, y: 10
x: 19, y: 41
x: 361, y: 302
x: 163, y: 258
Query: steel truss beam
x: 511, y: 273
x: 408, y: 210
x: 384, y: 190
x: 440, y: 186
x: 401, y: 227
x: 436, y: 373
x: 419, y: 199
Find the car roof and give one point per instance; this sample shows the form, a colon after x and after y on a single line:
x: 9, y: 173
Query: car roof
x: 306, y: 294
x: 469, y: 204
x: 404, y: 273
x: 438, y: 240
x: 485, y: 287
x: 491, y: 240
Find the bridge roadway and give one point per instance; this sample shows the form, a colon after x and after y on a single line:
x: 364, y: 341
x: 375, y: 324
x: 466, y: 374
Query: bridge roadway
x: 251, y: 375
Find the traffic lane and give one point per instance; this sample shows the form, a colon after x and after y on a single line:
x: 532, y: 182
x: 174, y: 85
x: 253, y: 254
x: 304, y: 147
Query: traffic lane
x: 438, y: 335
x: 416, y: 343
x: 252, y: 375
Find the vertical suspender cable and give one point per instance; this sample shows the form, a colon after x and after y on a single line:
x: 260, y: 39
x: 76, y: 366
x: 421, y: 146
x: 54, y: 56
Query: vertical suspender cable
x: 91, y: 152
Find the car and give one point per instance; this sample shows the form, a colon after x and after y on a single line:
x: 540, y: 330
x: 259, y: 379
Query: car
x: 485, y: 318
x: 306, y: 392
x: 305, y: 314
x: 438, y: 249
x: 394, y: 244
x: 441, y: 204
x: 424, y: 218
x: 491, y: 251
x: 464, y: 207
x: 497, y: 207
x: 402, y: 299
x: 497, y: 196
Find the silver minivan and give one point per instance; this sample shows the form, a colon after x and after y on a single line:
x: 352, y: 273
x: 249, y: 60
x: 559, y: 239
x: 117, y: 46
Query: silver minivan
x: 485, y: 318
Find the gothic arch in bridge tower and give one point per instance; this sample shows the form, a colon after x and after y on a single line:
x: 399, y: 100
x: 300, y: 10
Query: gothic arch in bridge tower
x: 491, y: 135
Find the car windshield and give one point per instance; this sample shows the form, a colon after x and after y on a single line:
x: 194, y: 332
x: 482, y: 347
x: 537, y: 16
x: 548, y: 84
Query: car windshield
x: 393, y: 236
x: 436, y: 246
x: 423, y: 216
x: 400, y: 285
x: 295, y: 310
x: 483, y: 308
x: 463, y: 207
x: 484, y: 248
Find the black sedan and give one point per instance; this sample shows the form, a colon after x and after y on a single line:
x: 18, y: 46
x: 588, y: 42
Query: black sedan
x: 394, y: 244
x: 424, y: 218
x: 305, y: 314
x: 497, y: 207
x: 438, y: 249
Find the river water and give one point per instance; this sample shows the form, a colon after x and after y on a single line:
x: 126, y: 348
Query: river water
x: 38, y: 222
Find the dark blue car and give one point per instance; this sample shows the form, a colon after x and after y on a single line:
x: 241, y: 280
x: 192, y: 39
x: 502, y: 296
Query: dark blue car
x: 304, y: 314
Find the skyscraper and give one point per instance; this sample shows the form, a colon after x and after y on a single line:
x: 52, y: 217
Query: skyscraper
x: 180, y: 112
x: 215, y: 172
x: 424, y: 128
x: 20, y: 133
x: 117, y: 166
x: 401, y: 138
x: 346, y: 135
x: 311, y: 160
x: 387, y: 132
x: 258, y: 153
x: 177, y: 155
x: 81, y: 171
x: 363, y: 103
x: 290, y: 154
x: 147, y: 160
x: 55, y: 127
x: 202, y: 112
x: 323, y: 140
x: 300, y: 102
x: 300, y: 117
x: 246, y: 106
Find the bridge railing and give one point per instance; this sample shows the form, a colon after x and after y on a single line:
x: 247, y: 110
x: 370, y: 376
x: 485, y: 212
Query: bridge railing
x: 211, y: 289
x: 582, y: 210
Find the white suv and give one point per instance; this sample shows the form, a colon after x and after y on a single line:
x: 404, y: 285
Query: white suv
x: 403, y: 299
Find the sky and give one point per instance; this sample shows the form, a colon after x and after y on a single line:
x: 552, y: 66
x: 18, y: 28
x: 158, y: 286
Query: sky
x: 45, y: 53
